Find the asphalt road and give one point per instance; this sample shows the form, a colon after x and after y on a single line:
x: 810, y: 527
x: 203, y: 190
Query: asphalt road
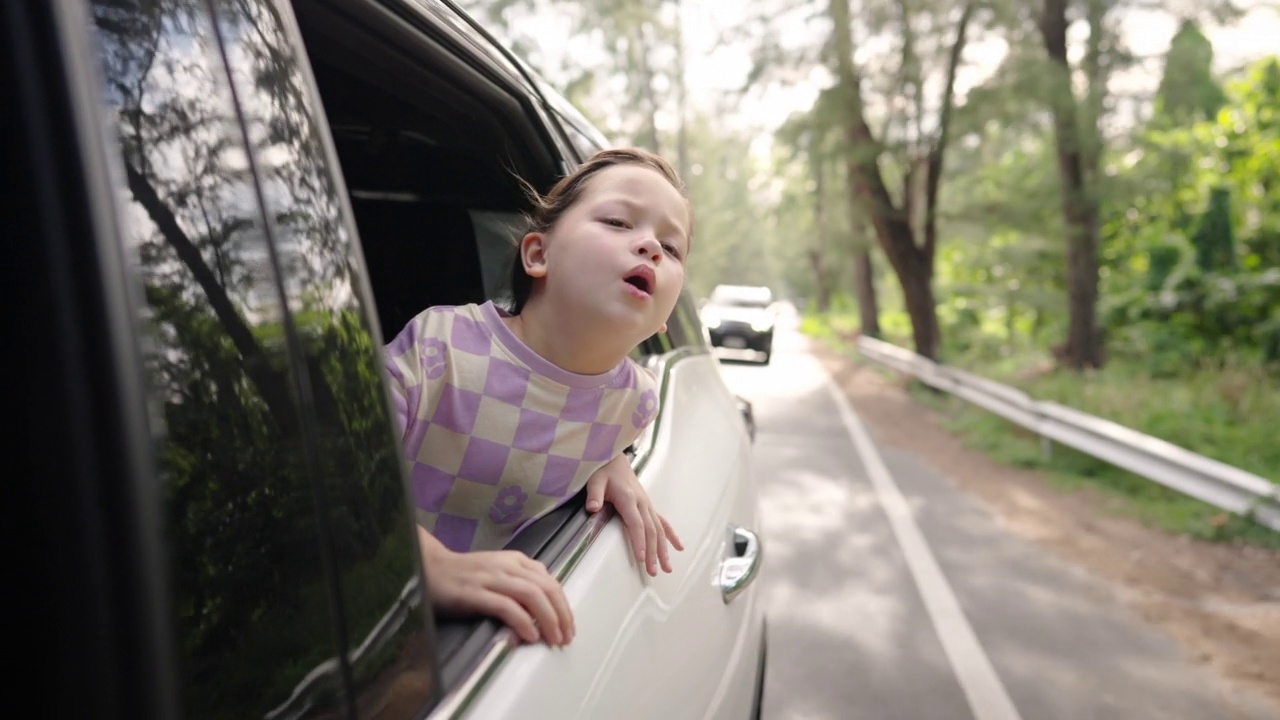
x: 892, y: 595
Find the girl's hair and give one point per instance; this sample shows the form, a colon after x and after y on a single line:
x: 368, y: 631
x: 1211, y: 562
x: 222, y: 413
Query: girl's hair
x: 549, y: 208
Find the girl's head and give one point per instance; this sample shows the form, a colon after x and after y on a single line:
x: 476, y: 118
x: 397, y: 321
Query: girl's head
x: 623, y: 198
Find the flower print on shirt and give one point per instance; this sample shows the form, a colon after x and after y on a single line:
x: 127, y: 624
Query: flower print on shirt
x: 433, y: 358
x: 507, y: 506
x: 645, y: 409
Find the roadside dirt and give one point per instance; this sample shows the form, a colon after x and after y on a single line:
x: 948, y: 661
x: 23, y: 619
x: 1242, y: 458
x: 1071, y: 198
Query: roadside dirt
x: 1221, y: 601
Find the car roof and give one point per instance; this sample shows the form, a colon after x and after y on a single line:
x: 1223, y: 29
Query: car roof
x: 758, y: 293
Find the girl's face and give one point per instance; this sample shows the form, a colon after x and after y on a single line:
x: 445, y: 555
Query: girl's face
x: 615, y: 259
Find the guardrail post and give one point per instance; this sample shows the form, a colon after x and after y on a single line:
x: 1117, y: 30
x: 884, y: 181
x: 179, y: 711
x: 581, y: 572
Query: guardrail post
x: 1046, y: 448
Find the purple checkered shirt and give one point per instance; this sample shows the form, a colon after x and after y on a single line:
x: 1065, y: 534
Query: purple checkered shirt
x: 496, y: 435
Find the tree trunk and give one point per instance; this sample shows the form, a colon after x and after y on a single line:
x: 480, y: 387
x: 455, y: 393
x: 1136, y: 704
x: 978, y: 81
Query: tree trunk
x: 817, y: 255
x: 642, y: 44
x: 1083, y: 347
x: 912, y: 262
x: 821, y: 279
x: 915, y: 275
x: 865, y: 288
x: 682, y: 134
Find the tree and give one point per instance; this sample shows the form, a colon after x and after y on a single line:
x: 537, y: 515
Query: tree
x: 1214, y: 239
x: 897, y: 235
x: 816, y: 139
x: 1078, y: 143
x: 1188, y: 90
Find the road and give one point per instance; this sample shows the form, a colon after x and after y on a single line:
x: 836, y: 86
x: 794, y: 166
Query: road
x: 892, y: 595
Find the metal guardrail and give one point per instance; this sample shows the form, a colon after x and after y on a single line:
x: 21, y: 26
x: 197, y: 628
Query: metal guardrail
x: 1214, y: 482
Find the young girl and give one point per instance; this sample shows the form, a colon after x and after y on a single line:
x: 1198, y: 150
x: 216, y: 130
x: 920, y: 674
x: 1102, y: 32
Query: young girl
x: 505, y: 414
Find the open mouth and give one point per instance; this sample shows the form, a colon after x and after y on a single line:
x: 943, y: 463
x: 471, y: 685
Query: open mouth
x: 641, y: 278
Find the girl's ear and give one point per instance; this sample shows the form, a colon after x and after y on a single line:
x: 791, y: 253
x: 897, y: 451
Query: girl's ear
x: 533, y: 254
x: 663, y: 328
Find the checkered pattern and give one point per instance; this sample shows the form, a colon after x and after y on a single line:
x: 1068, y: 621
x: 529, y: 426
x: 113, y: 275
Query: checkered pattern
x: 497, y: 436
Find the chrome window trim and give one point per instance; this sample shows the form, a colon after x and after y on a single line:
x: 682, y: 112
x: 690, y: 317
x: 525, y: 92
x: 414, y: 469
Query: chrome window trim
x: 457, y: 701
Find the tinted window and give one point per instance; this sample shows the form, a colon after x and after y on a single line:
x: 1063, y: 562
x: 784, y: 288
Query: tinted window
x: 354, y: 456
x: 253, y: 603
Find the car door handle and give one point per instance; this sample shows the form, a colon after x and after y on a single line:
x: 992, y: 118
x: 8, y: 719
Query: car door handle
x: 741, y: 563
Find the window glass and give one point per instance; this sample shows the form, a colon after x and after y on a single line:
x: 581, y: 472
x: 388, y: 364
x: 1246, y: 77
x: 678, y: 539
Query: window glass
x: 250, y: 597
x: 254, y: 437
x: 356, y: 460
x: 496, y: 236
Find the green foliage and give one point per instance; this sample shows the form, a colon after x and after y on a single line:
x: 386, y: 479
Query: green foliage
x: 1214, y: 239
x: 1192, y: 247
x: 734, y: 241
x: 1188, y: 90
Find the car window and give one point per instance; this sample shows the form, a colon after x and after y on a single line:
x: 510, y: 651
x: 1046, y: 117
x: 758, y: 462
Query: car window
x: 250, y: 557
x: 353, y: 455
x: 497, y: 233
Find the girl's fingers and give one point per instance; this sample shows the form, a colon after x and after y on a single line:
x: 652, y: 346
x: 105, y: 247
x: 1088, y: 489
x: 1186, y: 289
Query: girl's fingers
x: 634, y: 525
x: 664, y: 557
x: 651, y: 543
x: 535, y: 601
x: 510, y: 612
x: 596, y: 486
x: 555, y: 594
x: 670, y: 533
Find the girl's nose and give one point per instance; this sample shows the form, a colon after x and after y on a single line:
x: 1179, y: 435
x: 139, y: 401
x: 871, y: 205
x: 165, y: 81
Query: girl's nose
x: 649, y: 247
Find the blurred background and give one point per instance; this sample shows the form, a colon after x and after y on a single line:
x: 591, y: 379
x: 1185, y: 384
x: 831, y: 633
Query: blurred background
x: 1080, y: 199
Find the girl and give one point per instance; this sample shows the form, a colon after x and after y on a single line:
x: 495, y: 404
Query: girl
x: 505, y: 414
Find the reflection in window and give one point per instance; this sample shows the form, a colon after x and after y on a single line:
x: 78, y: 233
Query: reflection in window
x: 254, y: 610
x: 355, y: 458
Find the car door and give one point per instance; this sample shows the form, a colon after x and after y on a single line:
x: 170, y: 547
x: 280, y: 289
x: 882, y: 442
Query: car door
x: 226, y: 513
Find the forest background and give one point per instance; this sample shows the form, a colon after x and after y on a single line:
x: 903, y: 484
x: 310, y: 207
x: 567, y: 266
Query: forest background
x: 1077, y: 197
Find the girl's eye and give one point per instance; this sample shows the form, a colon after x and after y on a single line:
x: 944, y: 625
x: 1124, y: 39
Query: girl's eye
x: 672, y: 250
x: 615, y: 222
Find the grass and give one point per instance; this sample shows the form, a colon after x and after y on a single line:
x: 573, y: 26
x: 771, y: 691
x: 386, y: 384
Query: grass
x: 1227, y: 413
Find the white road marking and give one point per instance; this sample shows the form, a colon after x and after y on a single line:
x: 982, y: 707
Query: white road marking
x: 988, y: 699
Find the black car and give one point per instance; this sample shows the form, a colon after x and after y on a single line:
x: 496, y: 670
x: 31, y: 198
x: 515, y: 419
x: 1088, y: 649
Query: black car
x: 215, y: 212
x: 741, y: 317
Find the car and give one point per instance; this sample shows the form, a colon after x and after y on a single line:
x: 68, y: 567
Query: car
x: 217, y: 213
x: 741, y: 317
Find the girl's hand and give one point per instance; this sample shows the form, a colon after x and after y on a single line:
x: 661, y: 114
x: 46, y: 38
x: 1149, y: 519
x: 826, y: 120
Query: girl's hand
x: 616, y: 483
x: 505, y: 584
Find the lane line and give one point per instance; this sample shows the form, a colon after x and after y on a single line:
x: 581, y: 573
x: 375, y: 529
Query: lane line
x: 987, y: 696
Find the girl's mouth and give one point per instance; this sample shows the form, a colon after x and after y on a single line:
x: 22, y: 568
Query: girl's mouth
x: 641, y: 277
